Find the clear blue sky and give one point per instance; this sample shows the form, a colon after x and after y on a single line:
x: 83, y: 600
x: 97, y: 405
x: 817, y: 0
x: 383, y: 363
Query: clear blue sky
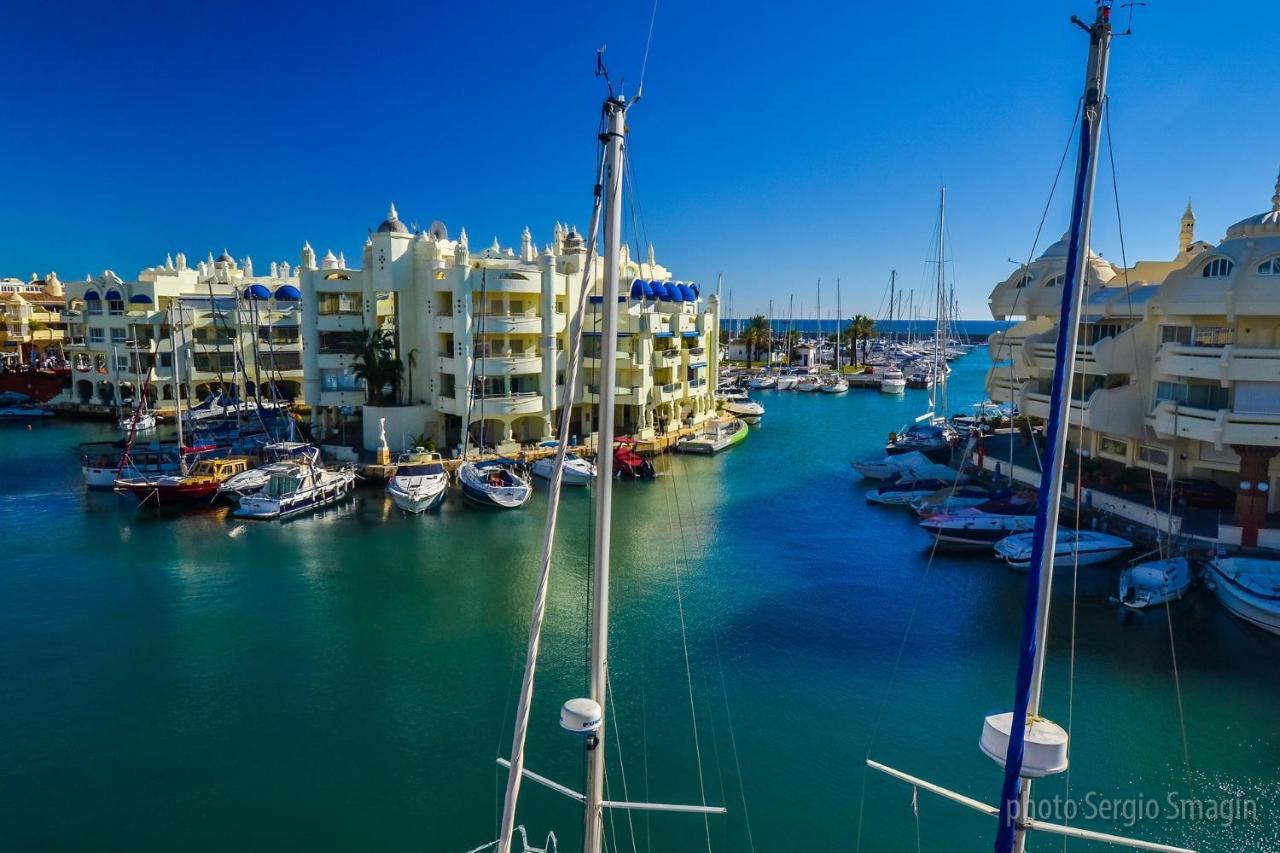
x: 777, y: 142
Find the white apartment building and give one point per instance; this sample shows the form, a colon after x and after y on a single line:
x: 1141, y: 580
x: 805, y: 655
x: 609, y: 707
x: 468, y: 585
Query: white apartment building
x: 484, y: 336
x: 1178, y: 365
x: 237, y: 332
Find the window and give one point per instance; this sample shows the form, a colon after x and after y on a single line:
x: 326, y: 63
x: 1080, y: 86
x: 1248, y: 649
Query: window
x: 1199, y: 395
x: 122, y: 362
x: 339, y: 303
x: 1025, y: 280
x: 166, y: 359
x: 97, y: 335
x: 1212, y: 336
x: 1153, y: 455
x: 1057, y: 280
x: 1271, y: 266
x: 338, y: 343
x: 1217, y: 268
x: 118, y: 336
x: 1113, y: 446
x: 115, y: 307
x: 1175, y: 335
x: 93, y: 306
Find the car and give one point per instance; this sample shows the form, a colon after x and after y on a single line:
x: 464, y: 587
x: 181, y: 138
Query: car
x: 1200, y: 492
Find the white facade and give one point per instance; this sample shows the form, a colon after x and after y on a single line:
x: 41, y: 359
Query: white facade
x: 119, y: 330
x: 483, y: 337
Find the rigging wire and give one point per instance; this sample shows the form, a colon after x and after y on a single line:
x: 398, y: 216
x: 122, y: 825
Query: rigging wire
x: 644, y: 63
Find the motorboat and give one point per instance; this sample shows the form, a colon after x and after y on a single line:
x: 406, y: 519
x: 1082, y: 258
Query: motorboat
x: 809, y: 383
x: 137, y: 421
x: 628, y: 464
x: 296, y: 488
x: 420, y: 482
x: 786, y: 383
x: 200, y: 483
x: 1248, y: 587
x: 765, y: 380
x: 982, y: 526
x: 892, y: 381
x: 494, y: 483
x: 889, y: 467
x: 715, y: 436
x: 986, y: 414
x: 835, y: 385
x: 274, y: 456
x: 1154, y: 582
x: 954, y: 497
x: 914, y: 485
x: 577, y: 471
x: 102, y: 462
x: 23, y: 412
x: 932, y: 439
x: 1072, y: 547
x: 742, y: 406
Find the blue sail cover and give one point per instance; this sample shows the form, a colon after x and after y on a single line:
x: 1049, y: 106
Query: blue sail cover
x: 288, y: 293
x: 257, y: 291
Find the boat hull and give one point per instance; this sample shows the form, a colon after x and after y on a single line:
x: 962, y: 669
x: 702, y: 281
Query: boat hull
x: 416, y: 500
x: 331, y: 490
x: 1241, y: 602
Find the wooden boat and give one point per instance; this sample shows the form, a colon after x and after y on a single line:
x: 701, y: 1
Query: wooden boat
x: 201, y: 483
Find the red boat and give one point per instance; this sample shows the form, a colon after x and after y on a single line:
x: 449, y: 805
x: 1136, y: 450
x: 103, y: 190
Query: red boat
x: 33, y: 386
x: 628, y: 464
x: 200, y: 484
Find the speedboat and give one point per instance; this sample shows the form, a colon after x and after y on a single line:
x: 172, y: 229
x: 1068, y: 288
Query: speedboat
x: 102, y: 462
x: 1248, y: 587
x: 764, y: 380
x: 201, y: 483
x: 892, y: 381
x: 952, y: 498
x: 933, y: 440
x: 420, y: 481
x: 1154, y: 582
x: 274, y: 457
x: 295, y: 488
x: 835, y: 385
x: 577, y: 471
x: 742, y: 406
x: 715, y: 436
x: 628, y: 464
x: 1073, y: 547
x: 494, y: 484
x: 888, y: 467
x: 982, y: 526
x: 914, y: 485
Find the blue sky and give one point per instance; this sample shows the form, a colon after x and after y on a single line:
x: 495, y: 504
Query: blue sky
x: 776, y: 143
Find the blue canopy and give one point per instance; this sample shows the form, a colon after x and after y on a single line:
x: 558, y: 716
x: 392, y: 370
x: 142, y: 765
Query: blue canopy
x: 665, y: 291
x: 288, y: 293
x: 652, y: 289
x: 492, y: 463
x: 257, y: 291
x: 687, y: 292
x: 697, y: 291
x: 637, y: 289
x: 92, y: 296
x: 114, y: 296
x: 140, y: 299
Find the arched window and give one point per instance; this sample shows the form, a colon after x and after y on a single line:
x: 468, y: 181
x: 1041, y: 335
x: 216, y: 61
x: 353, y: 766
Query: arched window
x: 1217, y: 268
x: 1271, y: 266
x: 1057, y: 280
x: 1025, y: 280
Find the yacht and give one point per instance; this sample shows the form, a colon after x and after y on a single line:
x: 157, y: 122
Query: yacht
x: 494, y: 484
x: 137, y: 421
x: 420, y: 482
x: 274, y: 456
x: 888, y: 467
x: 981, y: 526
x: 1154, y: 582
x: 201, y: 483
x: 835, y: 384
x: 1248, y: 587
x: 914, y: 485
x: 103, y: 462
x: 892, y: 381
x: 742, y: 406
x: 934, y: 440
x: 577, y: 471
x: 1072, y: 548
x: 715, y: 436
x: 296, y: 488
x: 764, y: 380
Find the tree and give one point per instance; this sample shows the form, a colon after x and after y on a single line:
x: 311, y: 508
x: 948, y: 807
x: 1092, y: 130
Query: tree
x: 757, y: 336
x: 861, y: 328
x: 377, y: 364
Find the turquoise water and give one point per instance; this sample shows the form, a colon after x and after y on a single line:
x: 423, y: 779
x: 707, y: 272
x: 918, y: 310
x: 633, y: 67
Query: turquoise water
x: 346, y: 681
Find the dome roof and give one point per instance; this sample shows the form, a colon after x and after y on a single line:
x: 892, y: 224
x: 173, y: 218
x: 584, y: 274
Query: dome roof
x: 1263, y: 223
x: 392, y: 224
x: 224, y: 258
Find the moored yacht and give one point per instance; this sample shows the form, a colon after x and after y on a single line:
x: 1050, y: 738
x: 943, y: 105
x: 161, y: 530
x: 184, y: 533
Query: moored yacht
x: 577, y: 471
x: 420, y: 482
x: 742, y: 406
x: 892, y: 381
x: 1072, y: 547
x: 201, y: 483
x: 274, y: 456
x: 494, y: 484
x: 982, y: 526
x: 1154, y: 582
x: 295, y: 488
x: 715, y: 436
x: 1248, y: 587
x: 887, y: 467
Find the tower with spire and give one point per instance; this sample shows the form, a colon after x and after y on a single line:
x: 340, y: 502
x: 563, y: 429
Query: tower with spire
x: 1187, y: 233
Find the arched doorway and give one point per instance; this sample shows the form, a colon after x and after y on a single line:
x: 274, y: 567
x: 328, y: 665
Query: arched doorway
x: 167, y: 391
x: 106, y: 392
x: 84, y: 390
x: 489, y: 432
x: 126, y: 392
x: 287, y: 389
x: 529, y: 428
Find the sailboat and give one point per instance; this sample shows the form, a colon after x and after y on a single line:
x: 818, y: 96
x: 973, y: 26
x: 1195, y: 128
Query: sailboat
x: 1024, y: 743
x: 585, y: 717
x: 141, y: 418
x: 836, y: 383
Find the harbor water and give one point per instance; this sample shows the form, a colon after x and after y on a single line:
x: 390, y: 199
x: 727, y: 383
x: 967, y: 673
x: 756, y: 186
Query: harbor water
x: 347, y: 680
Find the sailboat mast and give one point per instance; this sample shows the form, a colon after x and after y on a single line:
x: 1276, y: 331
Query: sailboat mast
x: 938, y: 395
x: 177, y: 382
x: 791, y: 325
x: 839, y: 320
x: 615, y: 111
x: 1012, y: 834
x: 893, y: 286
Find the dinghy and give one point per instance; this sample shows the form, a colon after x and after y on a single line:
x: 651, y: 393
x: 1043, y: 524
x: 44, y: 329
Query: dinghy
x: 1154, y: 582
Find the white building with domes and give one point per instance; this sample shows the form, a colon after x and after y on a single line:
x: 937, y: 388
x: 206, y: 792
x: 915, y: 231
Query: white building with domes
x: 483, y: 338
x: 1178, y: 365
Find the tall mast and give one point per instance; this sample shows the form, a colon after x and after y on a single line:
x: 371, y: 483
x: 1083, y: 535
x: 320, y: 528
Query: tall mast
x: 791, y: 325
x: 937, y: 394
x: 893, y: 284
x: 1012, y: 836
x: 177, y: 381
x: 839, y: 320
x: 615, y: 109
x: 769, y: 354
x: 818, y: 352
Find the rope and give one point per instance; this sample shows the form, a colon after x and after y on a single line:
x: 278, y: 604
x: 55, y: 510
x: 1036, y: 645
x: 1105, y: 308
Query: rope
x: 644, y: 64
x: 622, y: 767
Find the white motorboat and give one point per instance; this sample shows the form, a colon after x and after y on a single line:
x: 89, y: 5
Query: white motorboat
x: 786, y: 383
x: 577, y: 471
x: 809, y: 383
x: 887, y: 467
x: 835, y: 385
x: 1248, y: 587
x: 1154, y: 582
x: 420, y: 482
x: 138, y: 421
x: 892, y: 381
x: 742, y: 406
x: 295, y: 488
x: 1073, y: 547
x: 763, y: 381
x: 715, y: 436
x: 276, y: 457
x: 981, y: 526
x: 952, y: 498
x: 494, y: 484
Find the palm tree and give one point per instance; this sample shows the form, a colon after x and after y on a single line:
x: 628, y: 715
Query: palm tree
x: 757, y: 336
x: 376, y: 363
x: 860, y: 329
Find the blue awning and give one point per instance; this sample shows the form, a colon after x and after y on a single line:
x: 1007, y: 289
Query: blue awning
x: 140, y: 299
x: 697, y: 291
x: 92, y: 296
x: 652, y: 289
x: 687, y: 292
x: 665, y: 291
x: 663, y: 335
x: 257, y: 291
x: 689, y: 334
x: 597, y: 300
x: 114, y: 296
x: 288, y: 293
x: 696, y: 364
x: 637, y: 289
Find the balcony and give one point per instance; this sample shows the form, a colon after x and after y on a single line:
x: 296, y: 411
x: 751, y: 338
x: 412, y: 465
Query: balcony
x: 627, y: 396
x: 340, y: 322
x: 667, y: 393
x: 1220, y: 427
x: 512, y: 365
x: 1225, y: 364
x: 1117, y: 355
x: 522, y: 403
x: 512, y: 281
x: 1004, y: 382
x: 526, y: 323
